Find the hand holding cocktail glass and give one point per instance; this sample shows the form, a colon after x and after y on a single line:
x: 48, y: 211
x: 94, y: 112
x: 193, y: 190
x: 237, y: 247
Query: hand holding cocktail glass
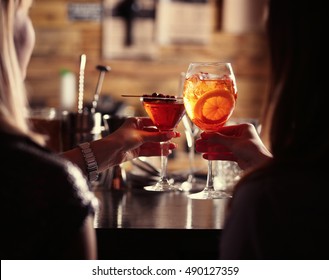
x: 210, y: 94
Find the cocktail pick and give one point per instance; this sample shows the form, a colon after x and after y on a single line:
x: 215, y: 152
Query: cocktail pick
x: 152, y: 97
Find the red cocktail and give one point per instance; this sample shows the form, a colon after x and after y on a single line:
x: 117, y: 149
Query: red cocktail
x: 166, y: 112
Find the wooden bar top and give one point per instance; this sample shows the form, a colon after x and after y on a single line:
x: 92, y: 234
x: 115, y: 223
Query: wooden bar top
x: 139, y: 224
x: 141, y: 209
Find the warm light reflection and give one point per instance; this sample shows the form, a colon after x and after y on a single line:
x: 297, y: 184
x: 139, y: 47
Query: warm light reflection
x: 188, y: 224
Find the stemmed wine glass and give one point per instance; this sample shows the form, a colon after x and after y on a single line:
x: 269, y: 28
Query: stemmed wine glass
x: 210, y: 94
x: 191, y: 131
x: 166, y: 112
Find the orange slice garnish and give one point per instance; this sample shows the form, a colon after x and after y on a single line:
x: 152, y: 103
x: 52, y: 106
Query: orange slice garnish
x: 215, y: 106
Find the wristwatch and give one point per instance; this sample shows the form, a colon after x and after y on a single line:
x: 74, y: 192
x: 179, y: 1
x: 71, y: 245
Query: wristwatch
x: 91, y: 163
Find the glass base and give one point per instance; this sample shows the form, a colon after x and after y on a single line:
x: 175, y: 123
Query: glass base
x: 210, y: 194
x: 162, y: 186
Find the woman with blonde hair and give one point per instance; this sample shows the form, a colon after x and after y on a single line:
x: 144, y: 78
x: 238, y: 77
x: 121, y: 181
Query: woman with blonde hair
x: 47, y: 206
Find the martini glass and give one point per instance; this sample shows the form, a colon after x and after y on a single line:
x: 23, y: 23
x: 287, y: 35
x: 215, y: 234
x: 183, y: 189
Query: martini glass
x: 209, y: 94
x: 166, y: 112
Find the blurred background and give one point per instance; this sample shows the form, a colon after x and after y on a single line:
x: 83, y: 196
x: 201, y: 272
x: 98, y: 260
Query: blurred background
x: 147, y: 44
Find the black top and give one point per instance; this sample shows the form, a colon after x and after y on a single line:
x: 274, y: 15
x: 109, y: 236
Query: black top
x: 280, y: 213
x: 44, y: 200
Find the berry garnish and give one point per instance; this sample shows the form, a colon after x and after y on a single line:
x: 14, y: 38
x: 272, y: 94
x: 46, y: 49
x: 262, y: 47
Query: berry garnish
x: 156, y: 97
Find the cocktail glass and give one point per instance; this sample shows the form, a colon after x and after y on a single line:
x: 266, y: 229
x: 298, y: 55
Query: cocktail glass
x: 166, y: 112
x: 210, y: 94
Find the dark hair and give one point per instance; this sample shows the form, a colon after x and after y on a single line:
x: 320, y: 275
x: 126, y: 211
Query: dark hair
x: 296, y: 107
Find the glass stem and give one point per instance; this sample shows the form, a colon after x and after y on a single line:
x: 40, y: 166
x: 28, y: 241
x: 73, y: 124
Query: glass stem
x: 210, y: 177
x: 190, y: 177
x: 164, y: 162
x: 191, y: 156
x: 191, y: 147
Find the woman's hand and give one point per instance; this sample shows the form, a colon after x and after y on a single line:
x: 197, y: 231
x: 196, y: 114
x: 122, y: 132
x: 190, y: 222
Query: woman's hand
x: 134, y: 138
x: 240, y: 143
x: 139, y: 137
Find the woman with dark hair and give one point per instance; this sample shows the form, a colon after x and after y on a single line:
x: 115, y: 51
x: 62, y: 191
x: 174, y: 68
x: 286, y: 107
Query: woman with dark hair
x: 279, y: 208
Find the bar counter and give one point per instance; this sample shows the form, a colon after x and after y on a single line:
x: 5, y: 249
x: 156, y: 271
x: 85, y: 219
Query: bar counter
x: 139, y: 224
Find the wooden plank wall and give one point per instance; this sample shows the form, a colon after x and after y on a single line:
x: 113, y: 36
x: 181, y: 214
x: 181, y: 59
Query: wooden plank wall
x: 61, y: 41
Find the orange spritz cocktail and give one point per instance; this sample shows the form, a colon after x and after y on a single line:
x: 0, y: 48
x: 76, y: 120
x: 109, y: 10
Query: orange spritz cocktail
x: 209, y: 101
x: 210, y: 95
x: 165, y: 111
